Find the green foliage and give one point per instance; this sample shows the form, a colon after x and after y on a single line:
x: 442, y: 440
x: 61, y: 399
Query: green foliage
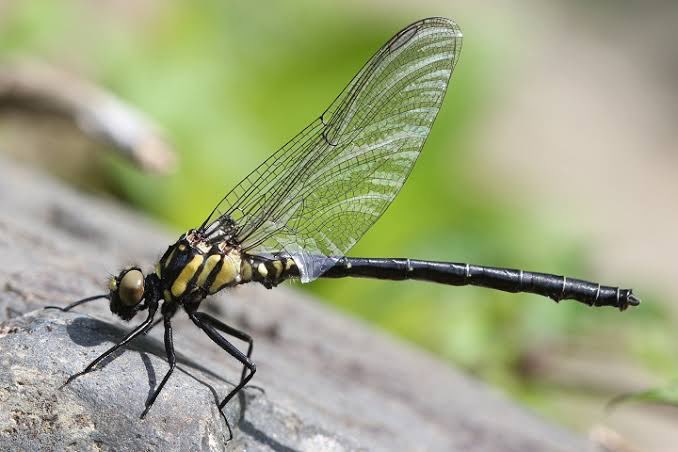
x: 667, y: 395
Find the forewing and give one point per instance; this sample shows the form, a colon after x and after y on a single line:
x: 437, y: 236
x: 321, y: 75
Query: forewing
x: 316, y: 196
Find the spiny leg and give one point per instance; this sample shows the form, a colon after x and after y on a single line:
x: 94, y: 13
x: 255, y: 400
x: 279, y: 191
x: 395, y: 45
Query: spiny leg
x: 203, y: 324
x: 221, y: 326
x: 77, y: 303
x: 171, y: 358
x: 153, y: 325
x: 130, y: 336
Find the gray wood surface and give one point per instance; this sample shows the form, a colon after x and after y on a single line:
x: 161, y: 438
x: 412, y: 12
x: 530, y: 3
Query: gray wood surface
x: 331, y: 383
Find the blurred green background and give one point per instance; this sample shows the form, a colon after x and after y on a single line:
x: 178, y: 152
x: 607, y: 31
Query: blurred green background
x: 232, y: 81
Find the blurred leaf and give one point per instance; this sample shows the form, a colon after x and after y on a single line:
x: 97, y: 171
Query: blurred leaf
x: 667, y: 395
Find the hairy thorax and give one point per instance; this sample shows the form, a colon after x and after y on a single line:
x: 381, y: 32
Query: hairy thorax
x: 191, y: 269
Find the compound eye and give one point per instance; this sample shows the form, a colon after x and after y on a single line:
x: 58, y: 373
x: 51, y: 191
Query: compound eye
x: 131, y: 289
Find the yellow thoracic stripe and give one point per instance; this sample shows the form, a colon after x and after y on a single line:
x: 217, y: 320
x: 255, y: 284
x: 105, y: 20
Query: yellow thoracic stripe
x: 246, y: 271
x: 278, y: 267
x: 163, y: 264
x: 167, y: 261
x: 227, y: 274
x: 179, y: 285
x: 207, y: 269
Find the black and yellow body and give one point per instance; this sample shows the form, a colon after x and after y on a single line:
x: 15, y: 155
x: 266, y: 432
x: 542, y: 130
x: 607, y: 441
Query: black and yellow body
x: 299, y: 213
x: 192, y: 269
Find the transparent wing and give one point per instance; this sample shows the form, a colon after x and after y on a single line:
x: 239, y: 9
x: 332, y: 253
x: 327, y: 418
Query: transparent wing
x: 317, y: 195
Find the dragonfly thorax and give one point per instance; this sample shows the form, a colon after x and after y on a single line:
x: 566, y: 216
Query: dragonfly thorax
x: 193, y: 268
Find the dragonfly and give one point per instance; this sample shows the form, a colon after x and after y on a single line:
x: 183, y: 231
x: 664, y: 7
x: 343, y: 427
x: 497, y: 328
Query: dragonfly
x: 299, y: 212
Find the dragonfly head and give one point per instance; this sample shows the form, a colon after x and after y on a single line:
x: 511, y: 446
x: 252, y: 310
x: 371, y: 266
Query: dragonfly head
x: 126, y: 292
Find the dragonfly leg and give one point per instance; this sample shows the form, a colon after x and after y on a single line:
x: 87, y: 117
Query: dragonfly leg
x: 221, y: 326
x: 77, y: 303
x: 127, y: 339
x: 153, y: 325
x: 210, y: 326
x: 171, y: 358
